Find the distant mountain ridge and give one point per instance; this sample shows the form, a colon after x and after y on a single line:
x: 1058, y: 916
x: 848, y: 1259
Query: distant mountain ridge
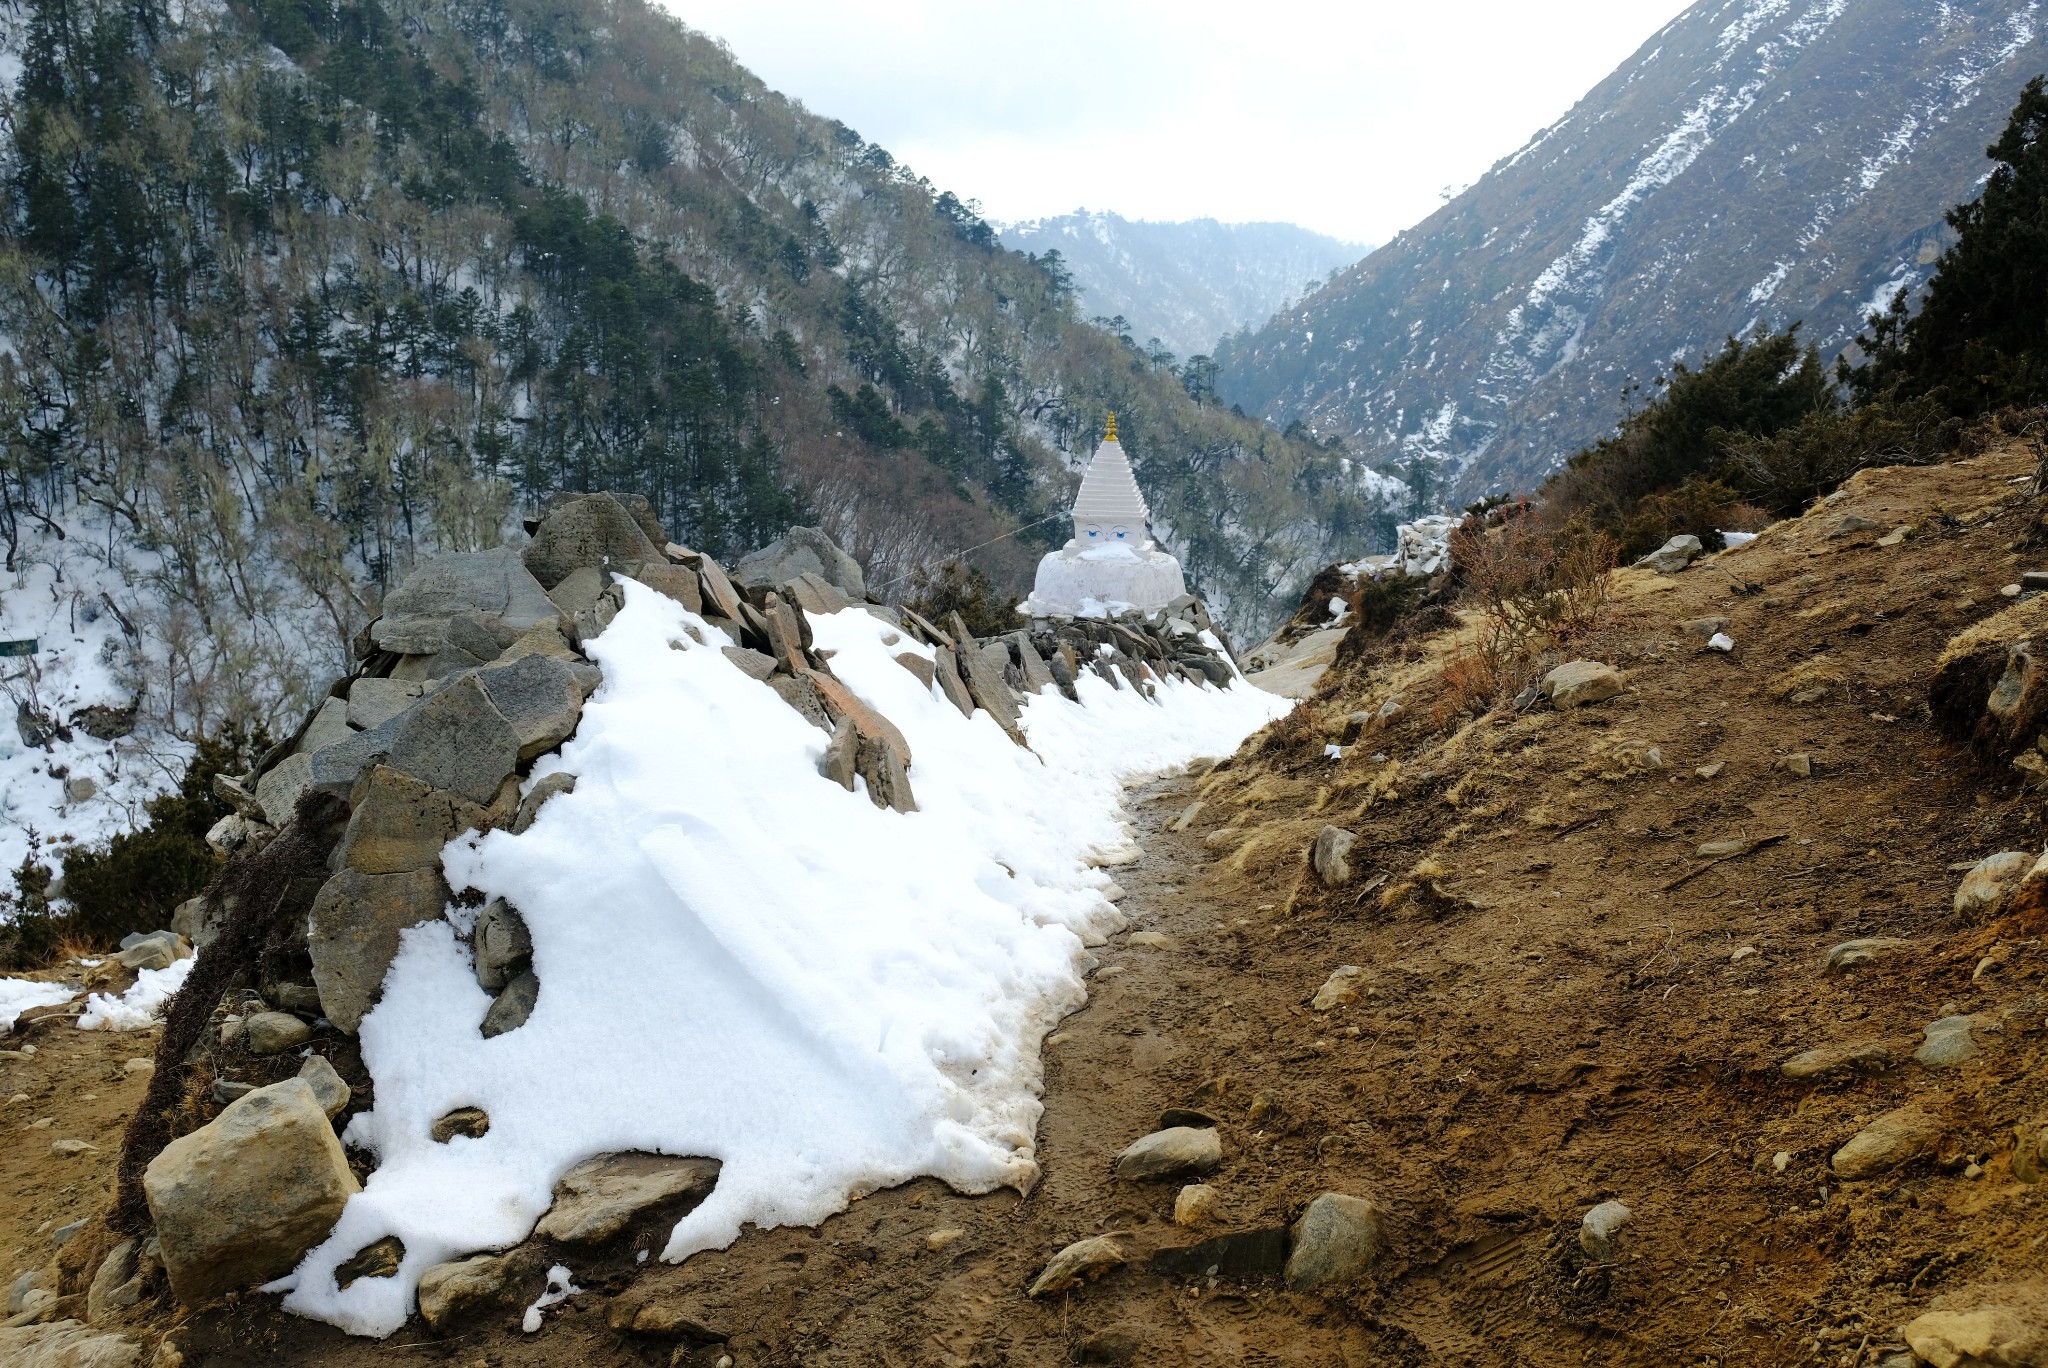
x: 1188, y: 284
x: 1756, y: 163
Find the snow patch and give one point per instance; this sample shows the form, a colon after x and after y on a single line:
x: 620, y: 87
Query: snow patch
x: 142, y: 1005
x: 739, y: 959
x: 19, y: 995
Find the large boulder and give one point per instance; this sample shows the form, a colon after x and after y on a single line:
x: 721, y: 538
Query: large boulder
x: 797, y: 551
x: 1986, y: 887
x: 1673, y: 556
x: 457, y: 740
x: 1895, y: 1138
x: 1335, y: 1241
x: 466, y: 1291
x: 401, y: 823
x: 599, y: 1198
x: 354, y: 930
x: 1578, y: 683
x: 1176, y: 1152
x: 493, y: 584
x: 590, y: 530
x: 240, y: 1200
x: 539, y: 696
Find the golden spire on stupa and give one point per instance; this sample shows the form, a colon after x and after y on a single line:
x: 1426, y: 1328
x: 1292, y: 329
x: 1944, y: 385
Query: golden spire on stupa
x: 1110, y: 436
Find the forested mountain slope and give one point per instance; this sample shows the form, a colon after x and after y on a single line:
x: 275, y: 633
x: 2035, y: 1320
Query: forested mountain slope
x: 1757, y: 163
x: 1184, y: 284
x: 294, y: 291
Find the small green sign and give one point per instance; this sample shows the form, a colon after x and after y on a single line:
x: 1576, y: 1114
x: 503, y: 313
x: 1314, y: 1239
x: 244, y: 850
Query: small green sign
x: 18, y: 648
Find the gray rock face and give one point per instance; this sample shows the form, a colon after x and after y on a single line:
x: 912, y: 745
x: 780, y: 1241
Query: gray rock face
x: 456, y: 740
x: 1581, y: 682
x: 373, y: 702
x: 355, y: 923
x: 594, y: 530
x: 579, y: 590
x: 813, y: 593
x: 1599, y: 1227
x: 753, y: 664
x: 151, y: 950
x: 1867, y: 1057
x: 947, y: 667
x: 504, y: 949
x: 1037, y: 674
x: 1897, y: 1137
x: 1330, y: 857
x: 539, y: 697
x: 400, y: 823
x: 1947, y: 1043
x: 801, y: 550
x: 601, y: 1197
x: 329, y: 724
x: 990, y: 691
x: 511, y: 1008
x: 336, y: 768
x: 670, y: 581
x: 493, y: 582
x: 279, y: 789
x: 1081, y: 1261
x: 66, y: 1344
x: 270, y: 1033
x: 888, y: 783
x: 240, y: 1200
x: 546, y: 788
x: 327, y: 1085
x: 1172, y: 1153
x: 1335, y: 1241
x: 801, y: 694
x: 1985, y: 888
x: 1673, y: 556
x: 117, y: 1284
x: 841, y: 754
x: 466, y: 1291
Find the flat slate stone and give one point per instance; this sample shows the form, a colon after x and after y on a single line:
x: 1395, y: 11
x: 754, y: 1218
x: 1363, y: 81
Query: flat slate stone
x: 457, y: 740
x: 539, y: 697
x: 601, y: 1197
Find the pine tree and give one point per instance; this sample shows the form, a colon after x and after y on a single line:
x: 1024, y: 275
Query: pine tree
x: 1980, y: 339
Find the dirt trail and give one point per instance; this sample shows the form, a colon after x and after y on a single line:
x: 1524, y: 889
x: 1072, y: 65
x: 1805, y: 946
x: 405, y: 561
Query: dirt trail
x: 1561, y: 1001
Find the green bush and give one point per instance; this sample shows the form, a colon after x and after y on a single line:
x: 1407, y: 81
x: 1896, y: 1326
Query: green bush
x: 1979, y: 342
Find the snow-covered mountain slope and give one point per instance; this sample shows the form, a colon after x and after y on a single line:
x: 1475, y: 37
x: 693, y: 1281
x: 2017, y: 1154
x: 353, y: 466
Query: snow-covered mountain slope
x: 1757, y: 163
x: 1187, y: 284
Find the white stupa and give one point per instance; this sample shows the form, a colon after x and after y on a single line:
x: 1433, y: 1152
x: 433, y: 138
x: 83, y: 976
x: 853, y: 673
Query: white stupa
x: 1111, y: 565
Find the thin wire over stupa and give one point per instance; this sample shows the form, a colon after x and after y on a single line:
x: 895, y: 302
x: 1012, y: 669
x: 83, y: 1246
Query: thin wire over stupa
x: 1111, y: 565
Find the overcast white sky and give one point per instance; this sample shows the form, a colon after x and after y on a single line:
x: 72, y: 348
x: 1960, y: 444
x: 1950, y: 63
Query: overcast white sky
x: 1347, y: 118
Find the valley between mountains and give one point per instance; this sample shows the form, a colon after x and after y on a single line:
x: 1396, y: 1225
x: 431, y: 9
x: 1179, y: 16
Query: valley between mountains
x: 1569, y: 959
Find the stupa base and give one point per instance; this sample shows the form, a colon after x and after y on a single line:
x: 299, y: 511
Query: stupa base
x: 1104, y: 582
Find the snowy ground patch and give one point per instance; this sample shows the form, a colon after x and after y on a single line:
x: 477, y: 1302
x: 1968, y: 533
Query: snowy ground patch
x: 142, y: 1005
x: 739, y: 959
x: 19, y: 995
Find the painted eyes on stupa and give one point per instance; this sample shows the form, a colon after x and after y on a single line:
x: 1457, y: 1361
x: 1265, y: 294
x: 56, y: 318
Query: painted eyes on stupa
x: 1121, y: 533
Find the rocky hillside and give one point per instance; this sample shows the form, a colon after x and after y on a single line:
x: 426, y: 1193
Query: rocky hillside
x: 1183, y: 285
x: 1757, y: 163
x: 1690, y: 1012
